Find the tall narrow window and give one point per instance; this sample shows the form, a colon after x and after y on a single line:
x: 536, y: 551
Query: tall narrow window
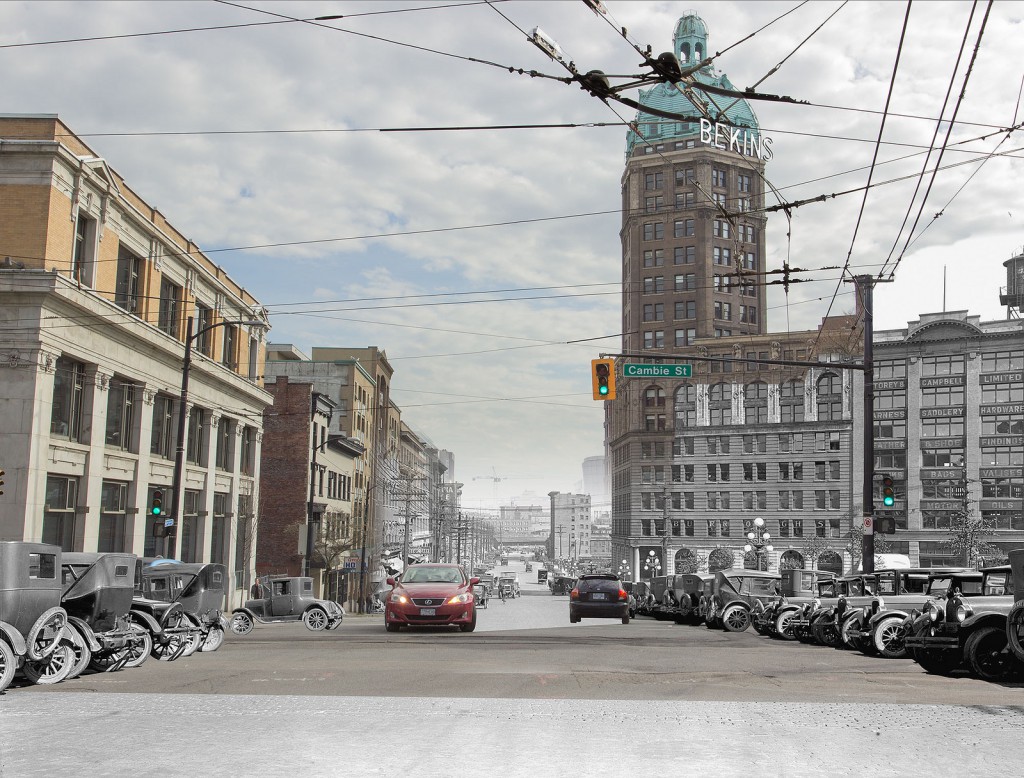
x: 170, y: 301
x: 225, y: 437
x: 229, y: 355
x: 830, y: 397
x: 196, y: 451
x: 59, y: 511
x: 248, y: 452
x: 121, y: 414
x: 219, y: 528
x: 68, y: 390
x: 126, y: 292
x: 113, y: 517
x: 204, y: 318
x: 82, y: 253
x: 254, y: 347
x: 163, y: 427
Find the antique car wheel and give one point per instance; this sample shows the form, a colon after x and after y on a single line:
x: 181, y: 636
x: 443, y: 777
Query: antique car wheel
x: 1014, y: 625
x: 471, y: 626
x: 987, y: 655
x: 82, y: 654
x: 736, y: 618
x: 241, y: 624
x: 845, y: 641
x: 139, y: 649
x: 783, y: 628
x: 8, y: 664
x: 170, y: 646
x: 105, y: 663
x: 709, y: 616
x: 825, y: 632
x: 938, y: 662
x: 52, y: 670
x: 888, y: 637
x: 214, y: 640
x: 315, y: 619
x: 46, y: 633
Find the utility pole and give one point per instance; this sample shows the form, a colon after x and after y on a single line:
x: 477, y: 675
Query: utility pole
x: 664, y: 533
x: 865, y: 289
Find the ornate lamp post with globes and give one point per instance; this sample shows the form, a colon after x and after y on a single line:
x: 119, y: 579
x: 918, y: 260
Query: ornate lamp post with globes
x: 624, y: 569
x: 653, y: 564
x: 759, y: 542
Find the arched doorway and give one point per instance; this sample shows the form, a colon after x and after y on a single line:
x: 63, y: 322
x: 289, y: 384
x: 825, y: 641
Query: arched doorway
x: 686, y: 561
x: 720, y: 559
x: 791, y: 560
x: 831, y: 562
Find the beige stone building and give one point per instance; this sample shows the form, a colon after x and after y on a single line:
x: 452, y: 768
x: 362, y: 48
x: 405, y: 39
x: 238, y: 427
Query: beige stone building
x: 96, y: 289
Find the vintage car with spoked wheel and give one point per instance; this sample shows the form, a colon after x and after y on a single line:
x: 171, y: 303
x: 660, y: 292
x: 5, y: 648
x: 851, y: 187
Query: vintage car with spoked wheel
x: 33, y: 626
x: 734, y: 594
x: 799, y: 588
x: 877, y: 629
x: 98, y: 589
x: 285, y: 599
x: 432, y: 594
x: 687, y: 589
x: 200, y: 589
x: 965, y: 627
x: 1015, y: 619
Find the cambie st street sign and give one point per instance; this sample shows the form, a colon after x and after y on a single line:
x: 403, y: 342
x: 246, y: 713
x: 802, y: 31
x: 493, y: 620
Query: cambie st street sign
x: 640, y: 370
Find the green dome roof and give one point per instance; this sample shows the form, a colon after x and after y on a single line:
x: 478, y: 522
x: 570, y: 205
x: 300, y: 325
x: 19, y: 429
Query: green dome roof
x: 691, y: 46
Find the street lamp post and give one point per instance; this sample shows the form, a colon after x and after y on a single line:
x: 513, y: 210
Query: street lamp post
x: 623, y: 569
x: 179, y: 454
x: 759, y: 542
x: 653, y: 564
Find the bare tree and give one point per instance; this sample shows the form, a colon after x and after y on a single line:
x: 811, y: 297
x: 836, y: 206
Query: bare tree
x: 855, y: 546
x: 969, y: 538
x: 813, y: 548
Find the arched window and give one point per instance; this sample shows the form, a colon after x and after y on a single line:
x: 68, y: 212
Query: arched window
x: 654, y: 397
x: 720, y: 404
x: 791, y: 401
x: 755, y: 402
x: 830, y: 397
x: 791, y: 560
x: 831, y: 562
x: 686, y: 405
x: 686, y: 561
x: 720, y: 559
x: 684, y: 53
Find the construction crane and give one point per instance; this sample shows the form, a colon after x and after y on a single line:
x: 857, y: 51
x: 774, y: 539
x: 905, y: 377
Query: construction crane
x: 493, y: 477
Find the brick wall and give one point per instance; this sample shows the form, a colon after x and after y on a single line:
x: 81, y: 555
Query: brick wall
x: 284, y: 478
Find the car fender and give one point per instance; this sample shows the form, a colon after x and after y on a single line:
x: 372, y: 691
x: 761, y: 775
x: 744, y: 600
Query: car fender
x: 144, y: 619
x: 988, y: 619
x: 222, y: 623
x: 248, y: 612
x: 175, y: 608
x: 14, y: 638
x: 83, y: 629
x: 887, y: 614
x: 786, y: 609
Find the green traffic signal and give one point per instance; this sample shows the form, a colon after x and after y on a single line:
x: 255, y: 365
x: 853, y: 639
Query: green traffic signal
x: 156, y: 506
x: 888, y: 492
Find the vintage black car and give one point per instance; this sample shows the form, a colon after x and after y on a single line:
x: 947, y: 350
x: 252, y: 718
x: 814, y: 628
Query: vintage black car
x: 169, y: 630
x: 816, y: 622
x: 799, y: 588
x: 561, y: 584
x: 733, y: 596
x: 1015, y: 619
x: 287, y: 599
x: 98, y: 589
x: 686, y: 590
x: 877, y: 627
x: 33, y: 625
x: 200, y: 588
x: 965, y: 625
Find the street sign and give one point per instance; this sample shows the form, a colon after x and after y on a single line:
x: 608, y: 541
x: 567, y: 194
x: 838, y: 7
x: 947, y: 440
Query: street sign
x: 351, y: 564
x: 168, y: 522
x: 869, y: 526
x: 641, y: 370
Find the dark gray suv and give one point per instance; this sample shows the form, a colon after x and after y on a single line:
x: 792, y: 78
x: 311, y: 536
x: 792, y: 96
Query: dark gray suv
x: 598, y: 597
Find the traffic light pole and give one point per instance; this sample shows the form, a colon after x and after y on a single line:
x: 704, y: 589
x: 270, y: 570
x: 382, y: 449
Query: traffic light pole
x: 865, y: 285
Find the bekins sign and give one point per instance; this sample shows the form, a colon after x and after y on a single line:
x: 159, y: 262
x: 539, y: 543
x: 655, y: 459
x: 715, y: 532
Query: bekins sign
x: 738, y: 139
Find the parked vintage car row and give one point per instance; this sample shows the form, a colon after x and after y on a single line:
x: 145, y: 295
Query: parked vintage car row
x: 946, y: 619
x: 61, y: 613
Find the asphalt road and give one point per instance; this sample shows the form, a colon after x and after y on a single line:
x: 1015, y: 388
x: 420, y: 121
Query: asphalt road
x: 526, y: 694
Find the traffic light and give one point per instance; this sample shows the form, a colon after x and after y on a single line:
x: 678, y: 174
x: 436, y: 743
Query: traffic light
x: 156, y: 503
x: 2, y: 481
x: 885, y: 525
x: 888, y: 492
x: 602, y: 373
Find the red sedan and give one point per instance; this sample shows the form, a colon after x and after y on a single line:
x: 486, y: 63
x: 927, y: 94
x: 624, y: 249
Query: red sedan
x: 431, y: 595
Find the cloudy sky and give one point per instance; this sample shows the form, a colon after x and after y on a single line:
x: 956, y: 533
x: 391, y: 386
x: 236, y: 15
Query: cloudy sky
x: 485, y: 262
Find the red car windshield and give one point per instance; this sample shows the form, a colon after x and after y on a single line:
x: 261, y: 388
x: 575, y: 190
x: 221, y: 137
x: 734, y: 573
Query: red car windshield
x: 416, y: 575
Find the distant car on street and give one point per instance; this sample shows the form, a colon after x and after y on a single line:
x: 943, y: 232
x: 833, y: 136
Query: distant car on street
x: 431, y: 595
x: 599, y: 596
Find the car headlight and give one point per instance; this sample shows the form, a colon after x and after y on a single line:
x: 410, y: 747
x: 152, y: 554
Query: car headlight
x: 401, y: 599
x: 880, y: 603
x: 866, y: 611
x: 932, y: 611
x: 815, y: 604
x: 962, y: 612
x: 461, y: 599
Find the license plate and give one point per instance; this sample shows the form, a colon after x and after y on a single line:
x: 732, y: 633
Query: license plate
x: 599, y: 596
x: 428, y: 611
